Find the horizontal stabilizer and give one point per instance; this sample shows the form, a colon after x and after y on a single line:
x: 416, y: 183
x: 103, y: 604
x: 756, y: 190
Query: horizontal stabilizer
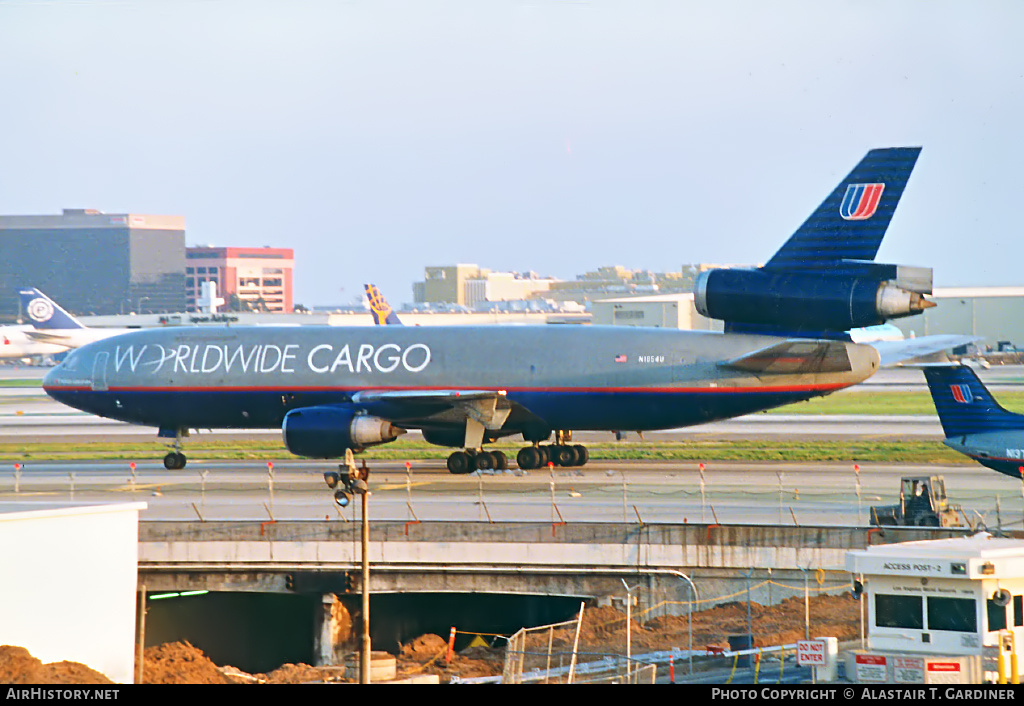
x: 895, y: 352
x: 55, y: 336
x: 795, y: 356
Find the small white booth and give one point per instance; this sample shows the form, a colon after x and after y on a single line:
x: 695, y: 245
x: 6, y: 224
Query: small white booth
x: 69, y: 583
x: 940, y: 611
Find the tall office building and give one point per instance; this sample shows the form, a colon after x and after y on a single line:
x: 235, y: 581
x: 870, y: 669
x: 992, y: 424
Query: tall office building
x: 94, y: 263
x: 257, y: 279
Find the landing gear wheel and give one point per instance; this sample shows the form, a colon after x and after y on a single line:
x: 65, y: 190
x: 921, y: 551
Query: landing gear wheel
x: 528, y: 458
x: 582, y: 455
x: 484, y: 461
x: 565, y: 456
x: 460, y: 462
x: 545, y: 456
x: 342, y: 498
x: 331, y: 478
x: 500, y: 460
x: 174, y: 461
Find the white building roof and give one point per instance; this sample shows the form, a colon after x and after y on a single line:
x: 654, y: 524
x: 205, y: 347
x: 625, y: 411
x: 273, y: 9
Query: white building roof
x: 36, y: 510
x: 975, y: 557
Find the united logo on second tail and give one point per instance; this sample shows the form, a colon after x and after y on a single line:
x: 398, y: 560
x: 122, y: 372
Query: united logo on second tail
x: 861, y: 201
x: 962, y: 393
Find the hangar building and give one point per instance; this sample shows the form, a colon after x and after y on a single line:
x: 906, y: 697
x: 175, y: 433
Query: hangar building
x: 993, y: 313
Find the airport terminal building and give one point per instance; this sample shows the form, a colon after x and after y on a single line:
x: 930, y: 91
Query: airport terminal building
x: 93, y: 262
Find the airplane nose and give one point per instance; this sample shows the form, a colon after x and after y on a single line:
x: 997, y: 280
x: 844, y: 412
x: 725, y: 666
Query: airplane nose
x: 55, y: 382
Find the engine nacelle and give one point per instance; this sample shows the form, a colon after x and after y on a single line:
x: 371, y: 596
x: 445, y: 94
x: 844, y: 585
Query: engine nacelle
x: 325, y: 432
x: 835, y: 301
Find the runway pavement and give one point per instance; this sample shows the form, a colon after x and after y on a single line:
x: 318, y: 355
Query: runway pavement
x: 807, y: 494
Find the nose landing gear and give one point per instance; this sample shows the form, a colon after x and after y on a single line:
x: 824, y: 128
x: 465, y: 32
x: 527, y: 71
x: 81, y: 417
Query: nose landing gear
x: 175, y: 460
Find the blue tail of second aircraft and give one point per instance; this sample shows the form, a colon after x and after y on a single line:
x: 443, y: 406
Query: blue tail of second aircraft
x: 964, y: 404
x: 383, y: 315
x: 43, y: 312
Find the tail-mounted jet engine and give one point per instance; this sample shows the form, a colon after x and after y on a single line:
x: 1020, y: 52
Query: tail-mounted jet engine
x: 326, y: 432
x: 853, y: 294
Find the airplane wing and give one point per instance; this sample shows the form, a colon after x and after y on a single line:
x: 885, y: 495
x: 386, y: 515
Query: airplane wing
x: 795, y: 356
x: 476, y: 411
x: 489, y: 407
x: 897, y: 352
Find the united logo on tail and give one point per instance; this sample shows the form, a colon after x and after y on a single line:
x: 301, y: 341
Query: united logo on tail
x: 860, y: 201
x: 962, y: 393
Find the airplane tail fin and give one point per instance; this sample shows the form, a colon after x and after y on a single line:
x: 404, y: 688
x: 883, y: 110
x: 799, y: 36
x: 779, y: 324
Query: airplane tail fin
x: 383, y: 314
x: 851, y: 222
x: 964, y: 404
x: 824, y: 281
x: 43, y: 312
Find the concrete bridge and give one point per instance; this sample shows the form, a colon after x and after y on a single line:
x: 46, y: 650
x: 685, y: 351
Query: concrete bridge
x: 673, y: 568
x: 587, y: 559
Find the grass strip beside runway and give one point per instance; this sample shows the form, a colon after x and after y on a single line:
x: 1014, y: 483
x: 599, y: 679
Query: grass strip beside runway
x: 863, y: 400
x: 854, y: 451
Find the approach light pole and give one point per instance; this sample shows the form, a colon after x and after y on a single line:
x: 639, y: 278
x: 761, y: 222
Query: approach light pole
x: 364, y: 657
x: 356, y: 482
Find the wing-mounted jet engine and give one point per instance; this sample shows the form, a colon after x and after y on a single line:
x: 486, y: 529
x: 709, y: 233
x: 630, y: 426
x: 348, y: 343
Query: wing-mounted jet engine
x: 328, y: 431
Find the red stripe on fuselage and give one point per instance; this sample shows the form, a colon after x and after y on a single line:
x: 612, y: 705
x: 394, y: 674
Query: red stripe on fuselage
x: 715, y: 390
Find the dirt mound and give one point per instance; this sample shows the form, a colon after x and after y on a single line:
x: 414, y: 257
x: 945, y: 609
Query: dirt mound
x: 180, y: 663
x: 301, y: 674
x: 603, y: 631
x: 70, y: 673
x: 424, y: 648
x: 18, y: 666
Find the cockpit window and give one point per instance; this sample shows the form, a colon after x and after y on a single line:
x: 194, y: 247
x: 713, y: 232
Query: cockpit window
x: 71, y: 360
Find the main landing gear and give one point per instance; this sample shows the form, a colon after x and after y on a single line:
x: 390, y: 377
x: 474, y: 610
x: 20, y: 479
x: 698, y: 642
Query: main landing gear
x: 468, y: 461
x: 353, y: 481
x: 561, y: 453
x: 538, y: 456
x: 175, y: 460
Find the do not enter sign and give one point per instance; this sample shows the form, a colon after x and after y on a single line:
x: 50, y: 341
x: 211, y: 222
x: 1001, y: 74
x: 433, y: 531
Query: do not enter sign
x: 810, y: 653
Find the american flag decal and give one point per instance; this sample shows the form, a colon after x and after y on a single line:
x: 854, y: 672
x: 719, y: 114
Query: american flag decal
x: 860, y: 201
x: 620, y: 359
x: 961, y: 393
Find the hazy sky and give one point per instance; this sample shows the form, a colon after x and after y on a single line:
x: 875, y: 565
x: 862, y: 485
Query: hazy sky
x: 377, y: 137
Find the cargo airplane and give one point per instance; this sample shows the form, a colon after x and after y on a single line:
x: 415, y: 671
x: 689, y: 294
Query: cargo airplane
x: 334, y: 390
x: 973, y: 422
